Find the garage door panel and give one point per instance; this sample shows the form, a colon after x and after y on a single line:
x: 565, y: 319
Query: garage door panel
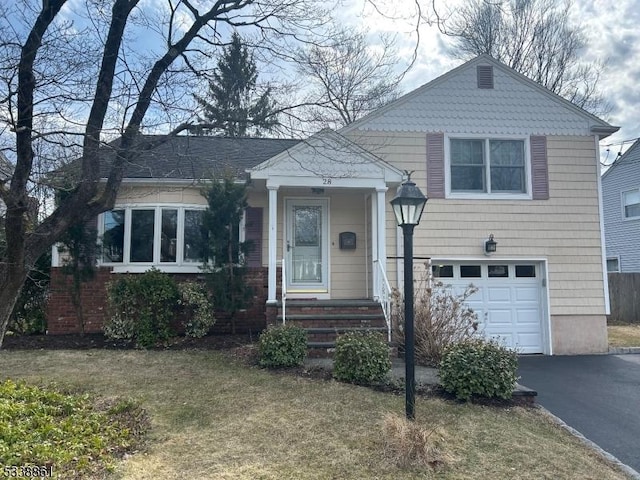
x: 500, y: 318
x: 527, y: 294
x: 528, y: 317
x: 527, y: 343
x: 499, y: 294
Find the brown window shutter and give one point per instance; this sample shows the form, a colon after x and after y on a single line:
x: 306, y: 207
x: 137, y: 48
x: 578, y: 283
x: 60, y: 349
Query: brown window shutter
x: 485, y: 76
x: 435, y: 165
x: 539, y: 168
x: 253, y: 235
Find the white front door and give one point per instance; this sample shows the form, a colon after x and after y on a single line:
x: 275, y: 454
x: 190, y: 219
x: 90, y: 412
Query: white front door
x: 307, y: 246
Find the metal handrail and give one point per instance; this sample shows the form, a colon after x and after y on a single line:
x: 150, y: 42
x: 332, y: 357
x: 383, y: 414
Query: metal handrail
x: 283, y: 289
x: 382, y: 290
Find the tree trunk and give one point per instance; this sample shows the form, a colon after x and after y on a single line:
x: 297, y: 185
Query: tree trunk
x: 10, y: 287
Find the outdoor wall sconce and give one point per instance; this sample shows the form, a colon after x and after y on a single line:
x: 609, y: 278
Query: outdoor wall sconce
x: 490, y: 245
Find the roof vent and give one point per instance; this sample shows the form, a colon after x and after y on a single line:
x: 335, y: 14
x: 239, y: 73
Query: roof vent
x: 485, y: 76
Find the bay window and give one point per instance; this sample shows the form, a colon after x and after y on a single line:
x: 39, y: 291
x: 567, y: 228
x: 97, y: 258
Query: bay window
x: 487, y: 166
x: 167, y: 236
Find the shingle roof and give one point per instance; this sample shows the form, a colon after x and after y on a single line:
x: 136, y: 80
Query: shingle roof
x: 197, y: 157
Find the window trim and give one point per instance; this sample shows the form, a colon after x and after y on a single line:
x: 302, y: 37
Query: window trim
x: 126, y: 266
x: 617, y: 259
x: 622, y: 205
x: 527, y: 195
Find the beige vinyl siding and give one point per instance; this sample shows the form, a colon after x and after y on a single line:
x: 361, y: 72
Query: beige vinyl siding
x: 564, y: 229
x: 348, y: 267
x: 133, y: 194
x: 346, y: 214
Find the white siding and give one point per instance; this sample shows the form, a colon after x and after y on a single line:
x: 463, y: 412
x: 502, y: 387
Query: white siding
x: 622, y: 237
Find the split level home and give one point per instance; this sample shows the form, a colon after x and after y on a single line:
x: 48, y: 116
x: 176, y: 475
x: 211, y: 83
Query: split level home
x: 497, y: 155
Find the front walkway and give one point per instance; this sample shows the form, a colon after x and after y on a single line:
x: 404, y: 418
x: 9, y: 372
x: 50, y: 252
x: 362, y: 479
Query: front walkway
x: 425, y: 376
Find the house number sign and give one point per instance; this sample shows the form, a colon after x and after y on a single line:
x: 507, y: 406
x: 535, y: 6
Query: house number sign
x: 326, y: 181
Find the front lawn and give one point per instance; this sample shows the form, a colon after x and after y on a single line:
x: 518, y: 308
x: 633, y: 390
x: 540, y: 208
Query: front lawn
x: 624, y: 335
x: 213, y: 418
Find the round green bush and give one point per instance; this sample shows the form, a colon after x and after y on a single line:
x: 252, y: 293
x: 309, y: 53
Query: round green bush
x: 282, y: 346
x: 141, y: 308
x: 361, y: 357
x: 479, y: 367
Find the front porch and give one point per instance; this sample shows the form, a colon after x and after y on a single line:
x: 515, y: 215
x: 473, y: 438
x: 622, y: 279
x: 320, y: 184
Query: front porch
x: 325, y: 219
x: 324, y: 320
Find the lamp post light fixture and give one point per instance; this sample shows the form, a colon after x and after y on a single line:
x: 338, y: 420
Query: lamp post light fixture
x: 408, y: 205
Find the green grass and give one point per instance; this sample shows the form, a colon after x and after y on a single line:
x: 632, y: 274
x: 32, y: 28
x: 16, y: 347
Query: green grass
x: 215, y: 419
x: 624, y: 335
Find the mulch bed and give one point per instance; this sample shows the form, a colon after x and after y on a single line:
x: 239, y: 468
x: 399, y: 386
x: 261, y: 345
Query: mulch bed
x: 93, y: 341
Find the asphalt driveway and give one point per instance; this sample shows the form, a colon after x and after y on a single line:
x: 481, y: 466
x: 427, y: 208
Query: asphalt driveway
x: 598, y: 395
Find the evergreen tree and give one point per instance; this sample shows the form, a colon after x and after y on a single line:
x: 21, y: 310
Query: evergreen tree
x: 224, y: 269
x: 235, y: 109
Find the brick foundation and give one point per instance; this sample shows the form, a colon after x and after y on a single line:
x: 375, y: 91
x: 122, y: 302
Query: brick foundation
x: 61, y: 315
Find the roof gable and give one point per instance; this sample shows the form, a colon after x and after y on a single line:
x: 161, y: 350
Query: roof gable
x: 326, y: 154
x: 630, y: 157
x: 455, y: 103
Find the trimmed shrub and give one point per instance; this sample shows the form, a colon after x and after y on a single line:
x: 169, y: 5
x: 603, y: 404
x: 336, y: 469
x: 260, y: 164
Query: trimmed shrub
x: 195, y: 299
x: 282, y: 346
x: 479, y: 367
x: 141, y: 308
x: 361, y: 357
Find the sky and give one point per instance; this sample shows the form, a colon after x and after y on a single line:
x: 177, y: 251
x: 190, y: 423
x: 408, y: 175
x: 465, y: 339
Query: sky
x: 611, y: 28
x: 613, y: 34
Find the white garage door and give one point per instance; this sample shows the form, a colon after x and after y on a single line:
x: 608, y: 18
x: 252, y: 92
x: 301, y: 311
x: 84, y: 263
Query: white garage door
x: 508, y: 301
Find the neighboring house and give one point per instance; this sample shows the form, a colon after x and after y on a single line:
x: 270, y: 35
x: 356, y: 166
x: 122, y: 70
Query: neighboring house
x: 621, y: 210
x: 495, y: 152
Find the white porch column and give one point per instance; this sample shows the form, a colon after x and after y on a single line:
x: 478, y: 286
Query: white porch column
x: 374, y: 246
x: 381, y: 225
x: 273, y: 242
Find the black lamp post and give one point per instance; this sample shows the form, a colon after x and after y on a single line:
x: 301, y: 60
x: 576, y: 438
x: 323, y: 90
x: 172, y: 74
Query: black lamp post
x: 408, y: 205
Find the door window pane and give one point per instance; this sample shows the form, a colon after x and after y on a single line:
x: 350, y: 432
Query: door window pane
x: 142, y: 228
x: 194, y: 240
x: 525, y: 271
x: 307, y: 226
x: 498, y: 271
x: 306, y: 256
x: 168, y: 235
x: 113, y: 237
x: 470, y: 271
x: 467, y: 166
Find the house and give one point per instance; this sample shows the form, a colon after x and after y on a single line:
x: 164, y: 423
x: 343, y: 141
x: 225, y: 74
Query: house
x: 496, y: 153
x: 621, y: 209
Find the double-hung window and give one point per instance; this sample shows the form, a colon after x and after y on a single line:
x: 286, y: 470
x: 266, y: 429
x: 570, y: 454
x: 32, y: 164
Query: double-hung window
x: 631, y: 203
x: 487, y: 166
x: 165, y: 236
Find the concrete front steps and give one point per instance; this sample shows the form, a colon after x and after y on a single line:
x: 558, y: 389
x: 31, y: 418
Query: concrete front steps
x: 324, y: 320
